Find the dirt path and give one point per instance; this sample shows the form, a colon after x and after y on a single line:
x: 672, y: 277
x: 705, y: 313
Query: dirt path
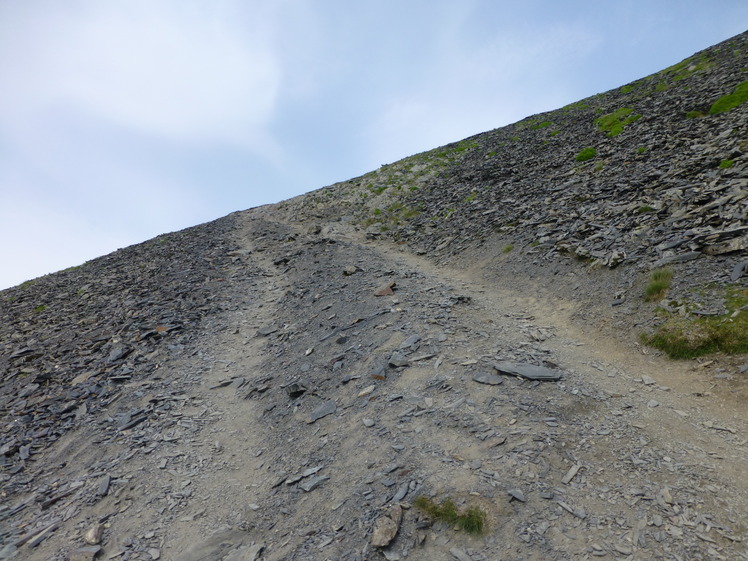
x: 316, y: 406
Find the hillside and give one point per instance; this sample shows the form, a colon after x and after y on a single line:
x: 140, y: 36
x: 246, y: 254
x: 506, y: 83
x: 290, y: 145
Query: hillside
x: 302, y: 380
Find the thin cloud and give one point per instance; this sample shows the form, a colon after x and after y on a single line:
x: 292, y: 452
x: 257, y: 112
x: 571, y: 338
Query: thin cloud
x: 165, y: 68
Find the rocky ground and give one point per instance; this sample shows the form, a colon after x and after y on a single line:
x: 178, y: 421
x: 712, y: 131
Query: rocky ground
x: 285, y: 382
x: 297, y: 408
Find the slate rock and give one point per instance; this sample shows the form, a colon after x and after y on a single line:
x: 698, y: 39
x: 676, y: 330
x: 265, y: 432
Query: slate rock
x: 488, y: 378
x: 313, y: 482
x: 398, y: 359
x: 118, y: 352
x: 87, y: 553
x: 738, y: 271
x: 327, y: 408
x: 528, y: 371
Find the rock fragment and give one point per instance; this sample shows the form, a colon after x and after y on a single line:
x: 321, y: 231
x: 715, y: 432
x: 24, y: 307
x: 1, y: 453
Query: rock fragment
x: 528, y: 371
x: 387, y: 526
x: 488, y: 378
x: 327, y: 408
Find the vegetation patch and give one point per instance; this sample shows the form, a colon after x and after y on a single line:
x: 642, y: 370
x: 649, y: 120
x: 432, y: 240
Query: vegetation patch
x: 613, y: 123
x: 690, y: 336
x: 724, y: 164
x: 659, y: 282
x: 576, y: 106
x: 691, y: 65
x: 472, y: 520
x: 507, y: 248
x: 730, y: 101
x: 586, y: 154
x: 541, y: 125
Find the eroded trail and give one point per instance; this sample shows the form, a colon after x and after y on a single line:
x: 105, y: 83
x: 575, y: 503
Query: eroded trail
x: 316, y: 405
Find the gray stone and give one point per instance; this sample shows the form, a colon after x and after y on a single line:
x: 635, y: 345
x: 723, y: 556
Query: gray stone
x: 398, y: 359
x: 528, y: 371
x: 459, y: 554
x: 488, y: 378
x: 313, y: 482
x: 738, y: 271
x: 327, y: 408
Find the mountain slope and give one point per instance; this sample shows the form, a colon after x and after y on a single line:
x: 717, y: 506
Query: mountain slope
x: 285, y: 382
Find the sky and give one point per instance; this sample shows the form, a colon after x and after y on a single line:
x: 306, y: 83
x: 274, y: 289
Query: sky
x: 124, y: 119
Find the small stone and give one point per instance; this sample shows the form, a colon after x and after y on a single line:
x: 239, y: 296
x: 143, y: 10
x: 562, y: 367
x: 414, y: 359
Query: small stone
x: 516, y: 494
x: 367, y: 390
x: 653, y: 403
x: 103, y: 487
x: 327, y: 408
x: 647, y: 381
x: 528, y: 371
x: 313, y: 482
x: 93, y: 535
x: 369, y: 423
x: 83, y: 553
x: 154, y: 553
x: 386, y: 527
x: 385, y: 290
x: 398, y: 359
x: 401, y: 492
x: 488, y: 378
x: 410, y: 342
x: 738, y: 271
x: 459, y: 554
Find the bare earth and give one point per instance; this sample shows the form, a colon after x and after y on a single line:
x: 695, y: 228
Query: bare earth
x: 629, y: 456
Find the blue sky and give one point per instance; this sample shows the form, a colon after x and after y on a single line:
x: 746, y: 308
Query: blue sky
x: 124, y: 119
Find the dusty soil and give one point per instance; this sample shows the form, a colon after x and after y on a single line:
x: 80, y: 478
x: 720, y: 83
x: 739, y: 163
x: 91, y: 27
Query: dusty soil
x: 628, y: 456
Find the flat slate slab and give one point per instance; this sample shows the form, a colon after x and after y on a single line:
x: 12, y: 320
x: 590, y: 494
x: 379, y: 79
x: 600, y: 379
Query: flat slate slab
x: 488, y: 378
x: 528, y: 371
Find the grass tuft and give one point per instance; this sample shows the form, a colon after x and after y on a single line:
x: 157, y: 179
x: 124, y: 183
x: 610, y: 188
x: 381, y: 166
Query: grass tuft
x: 472, y: 520
x: 586, y: 154
x: 659, y: 282
x: 731, y: 101
x: 690, y: 337
x: 613, y: 123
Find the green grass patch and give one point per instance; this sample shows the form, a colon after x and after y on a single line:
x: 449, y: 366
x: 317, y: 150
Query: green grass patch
x: 641, y: 149
x: 472, y: 520
x: 690, y: 337
x: 507, y: 248
x: 576, y: 106
x: 724, y: 164
x: 730, y: 101
x: 586, y: 154
x: 613, y: 123
x: 40, y: 309
x: 644, y: 209
x: 541, y: 125
x: 659, y: 282
x: 695, y: 114
x: 689, y: 66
